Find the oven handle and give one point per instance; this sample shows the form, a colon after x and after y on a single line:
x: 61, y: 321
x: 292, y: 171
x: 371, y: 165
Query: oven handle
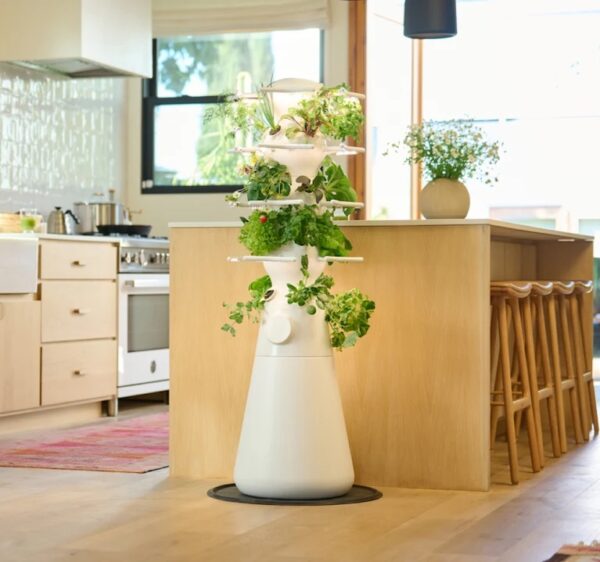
x: 146, y: 284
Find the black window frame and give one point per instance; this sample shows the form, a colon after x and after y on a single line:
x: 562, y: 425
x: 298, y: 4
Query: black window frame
x: 150, y: 101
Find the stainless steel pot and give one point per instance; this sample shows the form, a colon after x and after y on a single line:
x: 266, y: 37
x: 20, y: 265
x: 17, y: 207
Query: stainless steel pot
x: 93, y: 214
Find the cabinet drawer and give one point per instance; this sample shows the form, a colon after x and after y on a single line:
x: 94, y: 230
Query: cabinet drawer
x: 19, y: 355
x: 78, y: 310
x: 78, y: 260
x: 78, y: 371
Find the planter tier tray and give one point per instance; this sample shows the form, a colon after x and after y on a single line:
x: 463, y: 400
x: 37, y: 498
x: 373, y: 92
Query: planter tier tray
x: 357, y: 494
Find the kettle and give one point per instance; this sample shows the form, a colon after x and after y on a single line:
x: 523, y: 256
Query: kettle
x: 62, y: 222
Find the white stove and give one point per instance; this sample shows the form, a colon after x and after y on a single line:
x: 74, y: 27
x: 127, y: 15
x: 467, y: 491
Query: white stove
x: 143, y: 283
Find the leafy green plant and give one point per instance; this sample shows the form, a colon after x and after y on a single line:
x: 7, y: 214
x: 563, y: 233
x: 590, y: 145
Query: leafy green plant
x: 454, y: 150
x: 250, y: 309
x: 267, y: 179
x: 331, y: 182
x: 330, y: 111
x: 312, y: 296
x: 268, y: 230
x: 348, y: 314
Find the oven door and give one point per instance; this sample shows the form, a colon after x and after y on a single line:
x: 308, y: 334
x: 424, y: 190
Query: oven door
x: 143, y: 331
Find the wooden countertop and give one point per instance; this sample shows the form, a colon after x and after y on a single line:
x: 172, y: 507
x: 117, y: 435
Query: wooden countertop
x: 498, y: 229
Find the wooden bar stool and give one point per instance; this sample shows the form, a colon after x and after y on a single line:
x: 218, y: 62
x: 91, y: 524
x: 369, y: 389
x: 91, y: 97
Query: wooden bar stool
x: 539, y: 365
x: 562, y: 355
x: 509, y: 395
x: 584, y: 372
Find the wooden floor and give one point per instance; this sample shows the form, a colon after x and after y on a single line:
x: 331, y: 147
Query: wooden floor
x: 52, y: 515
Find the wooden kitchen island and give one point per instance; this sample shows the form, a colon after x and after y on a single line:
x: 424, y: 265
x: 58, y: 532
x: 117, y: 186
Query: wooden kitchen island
x: 415, y: 390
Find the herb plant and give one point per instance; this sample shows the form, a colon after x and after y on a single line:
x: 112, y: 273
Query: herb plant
x: 330, y: 183
x: 237, y: 114
x: 267, y: 230
x: 250, y: 309
x: 348, y: 314
x: 329, y: 111
x: 454, y: 150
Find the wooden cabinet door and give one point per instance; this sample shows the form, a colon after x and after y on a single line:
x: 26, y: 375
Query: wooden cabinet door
x: 19, y: 355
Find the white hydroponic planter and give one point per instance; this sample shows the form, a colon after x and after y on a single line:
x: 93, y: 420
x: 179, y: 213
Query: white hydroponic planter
x: 293, y: 443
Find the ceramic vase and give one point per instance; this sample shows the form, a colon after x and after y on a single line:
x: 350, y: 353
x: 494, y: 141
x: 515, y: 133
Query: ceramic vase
x: 444, y: 199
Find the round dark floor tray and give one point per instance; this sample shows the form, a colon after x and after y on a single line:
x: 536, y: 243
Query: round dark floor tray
x: 357, y: 494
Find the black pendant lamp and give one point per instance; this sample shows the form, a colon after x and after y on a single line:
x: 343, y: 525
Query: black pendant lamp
x: 429, y: 19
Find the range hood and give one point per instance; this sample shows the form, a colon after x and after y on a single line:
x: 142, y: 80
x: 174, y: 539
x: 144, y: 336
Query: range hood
x: 78, y: 38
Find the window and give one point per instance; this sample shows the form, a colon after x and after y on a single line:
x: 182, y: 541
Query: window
x: 181, y: 151
x: 528, y: 73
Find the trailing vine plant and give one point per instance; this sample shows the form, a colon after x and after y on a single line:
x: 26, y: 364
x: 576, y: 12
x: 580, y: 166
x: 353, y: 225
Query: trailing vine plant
x: 347, y: 314
x: 251, y: 309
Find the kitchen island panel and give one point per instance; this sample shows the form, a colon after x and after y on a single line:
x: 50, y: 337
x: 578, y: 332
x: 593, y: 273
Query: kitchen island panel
x: 212, y: 368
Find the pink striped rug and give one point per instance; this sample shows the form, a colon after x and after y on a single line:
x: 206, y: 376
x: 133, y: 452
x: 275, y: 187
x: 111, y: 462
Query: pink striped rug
x: 138, y: 444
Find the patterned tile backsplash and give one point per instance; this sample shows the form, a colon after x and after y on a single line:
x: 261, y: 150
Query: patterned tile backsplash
x: 61, y: 140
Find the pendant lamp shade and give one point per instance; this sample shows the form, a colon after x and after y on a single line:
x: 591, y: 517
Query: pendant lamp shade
x: 429, y: 19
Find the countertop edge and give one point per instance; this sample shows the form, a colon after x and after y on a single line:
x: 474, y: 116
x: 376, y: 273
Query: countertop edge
x: 61, y: 237
x: 497, y: 226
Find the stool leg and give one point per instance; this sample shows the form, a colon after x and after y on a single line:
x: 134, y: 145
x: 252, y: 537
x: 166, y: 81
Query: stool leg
x: 532, y: 370
x: 495, y: 382
x: 531, y: 427
x: 584, y: 323
x: 584, y: 402
x: 547, y: 371
x: 568, y: 350
x: 556, y: 372
x: 507, y: 388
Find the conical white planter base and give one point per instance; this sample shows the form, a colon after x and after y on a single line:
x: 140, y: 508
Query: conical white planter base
x: 293, y: 443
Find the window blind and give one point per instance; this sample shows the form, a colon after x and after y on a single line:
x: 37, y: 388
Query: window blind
x: 211, y: 17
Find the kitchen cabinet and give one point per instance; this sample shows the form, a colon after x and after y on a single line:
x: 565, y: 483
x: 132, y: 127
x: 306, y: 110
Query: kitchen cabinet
x: 58, y: 344
x: 19, y: 355
x: 79, y: 321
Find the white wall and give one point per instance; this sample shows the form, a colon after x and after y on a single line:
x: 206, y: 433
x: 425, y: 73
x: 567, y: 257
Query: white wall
x: 61, y: 140
x: 159, y: 210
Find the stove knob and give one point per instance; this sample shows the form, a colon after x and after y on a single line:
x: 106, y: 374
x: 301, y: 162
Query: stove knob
x: 154, y: 258
x: 167, y: 257
x: 142, y: 260
x: 127, y: 257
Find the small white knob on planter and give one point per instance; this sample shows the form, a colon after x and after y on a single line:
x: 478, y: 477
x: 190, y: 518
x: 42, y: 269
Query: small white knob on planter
x: 278, y: 328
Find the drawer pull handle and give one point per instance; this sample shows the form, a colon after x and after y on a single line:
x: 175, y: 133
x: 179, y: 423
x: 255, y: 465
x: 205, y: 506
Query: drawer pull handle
x: 77, y: 263
x: 79, y: 373
x: 80, y: 311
